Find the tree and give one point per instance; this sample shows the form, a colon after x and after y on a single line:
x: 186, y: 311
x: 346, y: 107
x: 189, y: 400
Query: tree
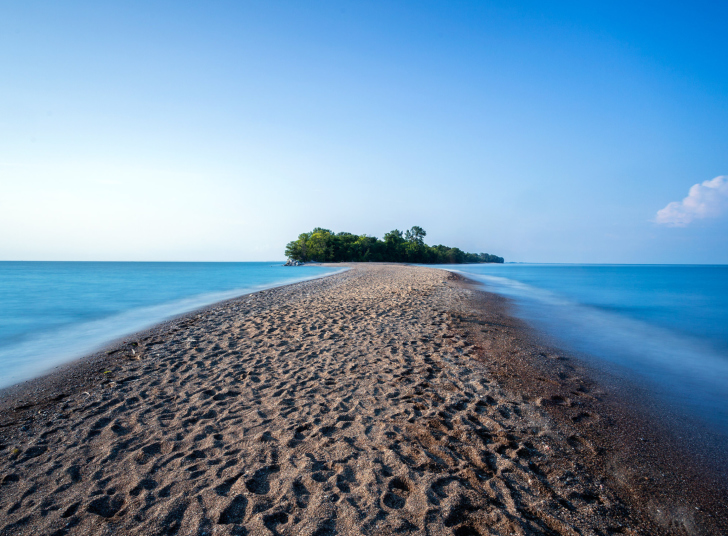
x: 325, y: 246
x: 416, y: 235
x: 394, y: 246
x: 319, y: 245
x: 298, y: 250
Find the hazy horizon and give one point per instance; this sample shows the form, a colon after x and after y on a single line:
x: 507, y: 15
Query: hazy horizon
x: 219, y: 132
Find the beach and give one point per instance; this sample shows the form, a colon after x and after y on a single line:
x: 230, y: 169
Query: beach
x: 387, y: 399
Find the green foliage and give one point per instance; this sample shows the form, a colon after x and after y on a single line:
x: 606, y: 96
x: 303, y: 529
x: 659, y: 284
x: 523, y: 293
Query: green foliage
x: 323, y: 245
x: 416, y: 235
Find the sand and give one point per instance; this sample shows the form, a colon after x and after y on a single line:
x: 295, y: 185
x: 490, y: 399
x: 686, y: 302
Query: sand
x: 384, y: 400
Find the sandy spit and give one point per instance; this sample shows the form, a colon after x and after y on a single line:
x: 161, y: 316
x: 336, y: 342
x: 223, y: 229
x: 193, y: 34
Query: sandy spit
x: 383, y: 400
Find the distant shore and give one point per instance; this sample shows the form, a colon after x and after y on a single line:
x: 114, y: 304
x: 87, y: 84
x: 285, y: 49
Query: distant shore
x: 389, y: 399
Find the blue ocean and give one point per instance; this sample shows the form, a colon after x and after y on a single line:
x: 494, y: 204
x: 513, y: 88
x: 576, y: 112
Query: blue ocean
x: 663, y: 328
x: 54, y: 312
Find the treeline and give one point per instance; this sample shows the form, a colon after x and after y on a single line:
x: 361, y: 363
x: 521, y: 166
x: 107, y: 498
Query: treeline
x: 323, y: 245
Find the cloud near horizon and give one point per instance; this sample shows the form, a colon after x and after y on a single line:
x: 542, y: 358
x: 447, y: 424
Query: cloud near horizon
x: 706, y: 200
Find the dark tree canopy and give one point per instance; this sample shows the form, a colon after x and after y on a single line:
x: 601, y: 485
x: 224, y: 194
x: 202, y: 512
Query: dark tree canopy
x: 324, y: 245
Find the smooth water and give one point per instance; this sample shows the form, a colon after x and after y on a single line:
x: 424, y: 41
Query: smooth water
x: 53, y: 312
x: 663, y: 327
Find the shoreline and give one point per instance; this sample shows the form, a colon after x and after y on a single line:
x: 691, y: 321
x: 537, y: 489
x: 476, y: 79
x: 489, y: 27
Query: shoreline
x: 117, y: 344
x: 632, y: 442
x: 530, y: 423
x: 74, y: 375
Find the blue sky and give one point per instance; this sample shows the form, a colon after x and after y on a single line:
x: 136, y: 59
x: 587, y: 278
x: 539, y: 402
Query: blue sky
x: 220, y: 130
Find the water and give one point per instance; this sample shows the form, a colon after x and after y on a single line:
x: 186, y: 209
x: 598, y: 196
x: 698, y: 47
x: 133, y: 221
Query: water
x: 54, y: 312
x: 662, y: 327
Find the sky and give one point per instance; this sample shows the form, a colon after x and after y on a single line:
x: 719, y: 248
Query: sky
x: 219, y: 131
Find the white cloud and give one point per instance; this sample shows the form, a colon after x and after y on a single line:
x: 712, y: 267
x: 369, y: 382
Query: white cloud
x: 706, y: 200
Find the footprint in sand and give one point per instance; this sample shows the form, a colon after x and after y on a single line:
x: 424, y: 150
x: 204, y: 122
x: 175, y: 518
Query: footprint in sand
x: 397, y: 495
x: 105, y: 506
x: 301, y: 494
x: 223, y: 488
x: 234, y: 513
x: 259, y: 484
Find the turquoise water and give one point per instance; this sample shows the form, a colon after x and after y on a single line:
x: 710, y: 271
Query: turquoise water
x: 662, y: 327
x: 53, y: 312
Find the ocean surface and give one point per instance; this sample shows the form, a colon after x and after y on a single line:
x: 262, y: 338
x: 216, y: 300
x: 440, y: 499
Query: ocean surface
x: 54, y: 312
x: 662, y: 327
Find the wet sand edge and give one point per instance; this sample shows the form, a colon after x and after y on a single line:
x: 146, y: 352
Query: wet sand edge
x: 633, y: 448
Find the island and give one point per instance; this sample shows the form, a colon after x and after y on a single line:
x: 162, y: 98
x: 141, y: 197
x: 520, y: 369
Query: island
x: 323, y: 245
